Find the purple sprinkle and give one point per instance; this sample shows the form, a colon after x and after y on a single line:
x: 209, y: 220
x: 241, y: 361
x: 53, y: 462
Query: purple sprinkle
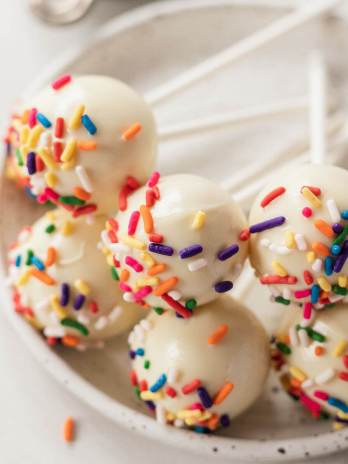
x: 225, y: 420
x: 65, y: 294
x: 205, y: 397
x: 337, y: 228
x: 269, y: 224
x: 228, y: 252
x: 224, y: 286
x: 190, y: 251
x: 79, y: 301
x: 132, y: 354
x: 31, y: 163
x: 150, y: 405
x: 161, y: 249
x: 342, y: 258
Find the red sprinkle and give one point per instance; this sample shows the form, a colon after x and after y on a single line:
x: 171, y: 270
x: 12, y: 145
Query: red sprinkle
x: 143, y: 385
x: 150, y: 198
x: 133, y: 378
x: 123, y: 196
x: 32, y: 118
x: 171, y: 392
x: 156, y: 192
x: 61, y: 81
x: 51, y: 194
x: 112, y: 236
x: 308, y: 278
x: 59, y: 128
x: 157, y: 238
x: 307, y: 212
x: 86, y: 209
x: 244, y: 235
x: 40, y: 165
x: 178, y: 307
x: 321, y: 395
x: 57, y: 150
x: 113, y: 223
x: 343, y: 376
x: 93, y: 307
x: 154, y: 178
x: 269, y: 280
x: 51, y: 341
x: 315, y: 190
x: 132, y: 182
x: 191, y: 387
x: 133, y: 222
x: 345, y: 360
x: 272, y: 196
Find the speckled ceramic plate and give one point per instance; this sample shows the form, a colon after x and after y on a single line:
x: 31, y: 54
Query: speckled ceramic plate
x: 144, y: 48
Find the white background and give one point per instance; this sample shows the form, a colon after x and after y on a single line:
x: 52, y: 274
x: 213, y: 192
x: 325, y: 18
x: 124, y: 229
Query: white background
x: 32, y: 406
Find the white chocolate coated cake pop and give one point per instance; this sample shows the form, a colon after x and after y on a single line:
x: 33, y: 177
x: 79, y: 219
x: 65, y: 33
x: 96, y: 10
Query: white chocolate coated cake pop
x: 200, y: 372
x: 62, y: 284
x: 313, y: 362
x: 298, y: 235
x: 82, y: 142
x: 176, y: 243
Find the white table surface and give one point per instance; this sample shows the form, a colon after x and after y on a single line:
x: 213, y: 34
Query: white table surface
x: 32, y: 406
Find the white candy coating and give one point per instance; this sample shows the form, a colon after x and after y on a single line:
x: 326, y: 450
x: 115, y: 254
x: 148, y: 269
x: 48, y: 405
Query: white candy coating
x: 113, y: 107
x: 180, y: 350
x: 183, y: 199
x: 77, y: 259
x: 290, y: 249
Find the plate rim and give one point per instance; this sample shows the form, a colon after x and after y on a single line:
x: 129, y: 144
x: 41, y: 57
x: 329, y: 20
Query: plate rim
x: 119, y: 414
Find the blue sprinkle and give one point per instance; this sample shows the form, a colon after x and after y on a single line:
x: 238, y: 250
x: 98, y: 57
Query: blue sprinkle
x: 339, y: 404
x: 38, y: 263
x: 160, y: 382
x: 344, y: 214
x: 201, y: 429
x: 88, y: 123
x: 190, y: 251
x: 315, y: 294
x: 140, y: 352
x: 79, y: 301
x: 43, y: 120
x: 18, y: 260
x: 31, y: 163
x: 336, y: 249
x: 328, y: 265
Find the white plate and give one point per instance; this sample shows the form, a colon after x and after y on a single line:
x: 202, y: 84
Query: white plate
x: 144, y: 48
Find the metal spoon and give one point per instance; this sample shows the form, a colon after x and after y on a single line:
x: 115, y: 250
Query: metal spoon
x: 60, y: 12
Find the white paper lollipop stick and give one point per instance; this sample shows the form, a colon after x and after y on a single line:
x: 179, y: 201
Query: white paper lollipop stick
x: 241, y: 116
x: 318, y: 107
x: 231, y: 54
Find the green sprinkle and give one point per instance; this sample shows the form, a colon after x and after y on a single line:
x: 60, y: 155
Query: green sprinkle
x: 137, y: 391
x: 341, y: 238
x: 339, y: 290
x: 66, y: 322
x: 159, y: 311
x: 324, y: 415
x: 313, y: 334
x: 281, y: 300
x: 191, y: 304
x: 50, y: 228
x: 72, y: 200
x: 30, y: 255
x: 283, y: 347
x: 114, y: 273
x: 19, y: 157
x: 146, y: 364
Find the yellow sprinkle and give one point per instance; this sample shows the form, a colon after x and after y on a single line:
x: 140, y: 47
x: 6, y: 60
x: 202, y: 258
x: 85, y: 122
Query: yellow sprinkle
x: 25, y: 116
x: 290, y: 240
x: 149, y: 396
x: 338, y: 426
x: 51, y: 179
x: 75, y: 120
x: 68, y: 228
x: 279, y: 269
x: 108, y: 226
x: 342, y: 281
x: 69, y: 151
x: 324, y: 284
x: 35, y: 135
x: 311, y: 256
x: 190, y: 421
x: 24, y: 135
x: 82, y: 287
x: 51, y: 216
x: 170, y: 416
x: 24, y: 278
x: 189, y: 413
x: 110, y: 260
x: 198, y: 220
x: 57, y: 308
x: 309, y: 196
x: 340, y: 348
x: 147, y: 259
x: 143, y: 281
x: 34, y: 322
x: 205, y: 416
x: 297, y: 373
x: 133, y: 242
x: 47, y: 158
x: 342, y: 415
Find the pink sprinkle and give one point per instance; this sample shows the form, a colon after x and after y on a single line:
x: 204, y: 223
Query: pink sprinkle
x: 32, y: 117
x: 153, y: 179
x: 312, y: 405
x: 307, y: 310
x: 302, y: 293
x: 42, y: 198
x: 61, y: 81
x: 321, y: 395
x: 133, y: 222
x: 143, y: 292
x: 307, y: 212
x: 51, y: 194
x: 195, y: 406
x: 134, y: 264
x: 125, y: 288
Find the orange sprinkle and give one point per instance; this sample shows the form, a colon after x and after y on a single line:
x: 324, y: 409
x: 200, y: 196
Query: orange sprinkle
x: 70, y: 341
x: 41, y: 275
x: 69, y: 426
x: 156, y: 269
x: 319, y: 350
x: 86, y: 145
x: 166, y: 286
x: 324, y: 227
x: 223, y: 393
x: 51, y: 256
x: 124, y: 276
x: 218, y: 335
x: 147, y: 219
x: 320, y: 249
x: 295, y: 382
x: 81, y: 193
x: 213, y: 422
x: 131, y: 132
